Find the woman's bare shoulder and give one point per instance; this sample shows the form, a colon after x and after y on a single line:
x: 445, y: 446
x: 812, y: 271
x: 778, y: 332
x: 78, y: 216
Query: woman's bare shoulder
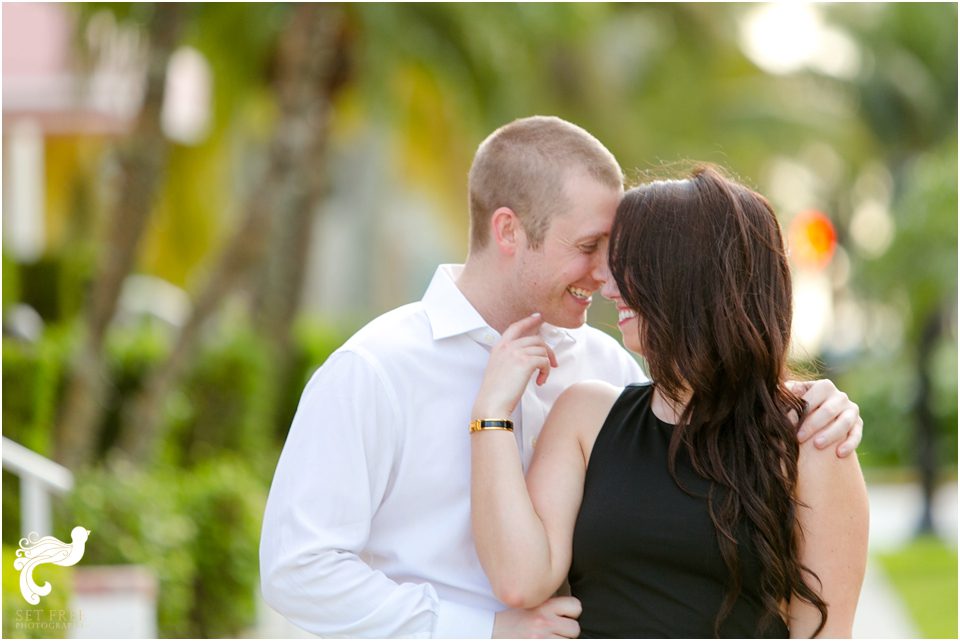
x: 589, y: 396
x: 581, y: 410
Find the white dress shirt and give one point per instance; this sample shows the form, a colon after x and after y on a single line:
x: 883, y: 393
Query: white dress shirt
x: 367, y: 526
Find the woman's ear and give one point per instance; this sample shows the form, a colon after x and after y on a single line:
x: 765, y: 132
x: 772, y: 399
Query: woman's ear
x: 507, y: 231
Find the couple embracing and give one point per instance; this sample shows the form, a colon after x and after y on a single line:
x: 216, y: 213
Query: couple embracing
x: 461, y: 458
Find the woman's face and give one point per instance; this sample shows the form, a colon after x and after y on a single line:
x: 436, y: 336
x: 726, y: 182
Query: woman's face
x: 627, y: 319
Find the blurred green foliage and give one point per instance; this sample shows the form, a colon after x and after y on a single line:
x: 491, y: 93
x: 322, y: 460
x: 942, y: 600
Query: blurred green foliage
x: 197, y: 529
x: 31, y: 375
x: 920, y: 267
x: 194, y: 518
x: 224, y: 404
x: 225, y: 502
x: 138, y: 517
x: 54, y: 285
x: 884, y: 386
x: 917, y: 274
x: 11, y: 281
x: 132, y: 351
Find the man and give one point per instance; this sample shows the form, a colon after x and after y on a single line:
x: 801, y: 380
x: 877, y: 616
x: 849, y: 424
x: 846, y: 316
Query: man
x: 367, y: 528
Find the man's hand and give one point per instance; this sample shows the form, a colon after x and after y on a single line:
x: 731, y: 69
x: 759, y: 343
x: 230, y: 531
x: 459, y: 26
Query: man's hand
x: 831, y: 416
x: 555, y: 618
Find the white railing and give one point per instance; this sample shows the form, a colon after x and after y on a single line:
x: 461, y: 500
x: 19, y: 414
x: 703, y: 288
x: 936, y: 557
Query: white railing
x: 39, y: 478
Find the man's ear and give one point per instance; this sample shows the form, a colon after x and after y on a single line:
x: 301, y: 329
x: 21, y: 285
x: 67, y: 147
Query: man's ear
x: 507, y: 231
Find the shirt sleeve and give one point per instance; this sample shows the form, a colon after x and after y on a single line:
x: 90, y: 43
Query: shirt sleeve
x: 333, y: 473
x: 620, y: 367
x: 632, y: 372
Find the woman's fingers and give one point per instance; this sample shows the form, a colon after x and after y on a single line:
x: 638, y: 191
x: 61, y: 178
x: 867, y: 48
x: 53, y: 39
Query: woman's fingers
x: 552, y: 355
x: 522, y: 351
x: 526, y: 341
x: 524, y: 327
x: 542, y: 364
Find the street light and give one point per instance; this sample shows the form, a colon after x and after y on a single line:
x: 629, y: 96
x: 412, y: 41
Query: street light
x: 812, y: 239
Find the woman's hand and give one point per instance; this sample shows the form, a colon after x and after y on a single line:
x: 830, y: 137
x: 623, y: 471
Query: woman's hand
x: 519, y: 353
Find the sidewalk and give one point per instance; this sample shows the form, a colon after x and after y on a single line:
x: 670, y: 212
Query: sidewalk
x: 894, y: 513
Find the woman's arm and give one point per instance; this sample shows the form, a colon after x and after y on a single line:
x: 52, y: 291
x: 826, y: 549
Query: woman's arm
x: 833, y: 517
x: 523, y: 544
x: 524, y: 531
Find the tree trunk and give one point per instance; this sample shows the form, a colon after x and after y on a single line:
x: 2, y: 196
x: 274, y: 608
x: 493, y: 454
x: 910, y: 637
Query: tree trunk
x: 280, y: 286
x: 925, y: 422
x: 141, y: 159
x: 293, y: 178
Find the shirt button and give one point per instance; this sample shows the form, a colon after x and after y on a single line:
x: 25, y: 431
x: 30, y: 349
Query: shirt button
x: 533, y: 442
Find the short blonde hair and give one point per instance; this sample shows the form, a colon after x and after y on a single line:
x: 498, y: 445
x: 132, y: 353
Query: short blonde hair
x: 523, y: 165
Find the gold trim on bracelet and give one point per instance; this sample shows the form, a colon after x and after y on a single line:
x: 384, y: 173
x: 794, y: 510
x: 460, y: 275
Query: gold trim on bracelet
x: 482, y: 424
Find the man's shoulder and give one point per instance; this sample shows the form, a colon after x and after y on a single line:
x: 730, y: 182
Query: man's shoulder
x: 596, y: 338
x: 378, y: 347
x: 601, y: 356
x: 394, y: 331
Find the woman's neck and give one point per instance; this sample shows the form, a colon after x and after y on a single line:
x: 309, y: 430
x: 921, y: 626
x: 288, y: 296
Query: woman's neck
x: 665, y: 409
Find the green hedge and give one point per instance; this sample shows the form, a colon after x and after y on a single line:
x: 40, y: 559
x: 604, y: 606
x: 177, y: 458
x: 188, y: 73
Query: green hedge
x: 197, y: 530
x: 31, y: 385
x: 31, y: 375
x: 885, y: 386
x: 225, y: 404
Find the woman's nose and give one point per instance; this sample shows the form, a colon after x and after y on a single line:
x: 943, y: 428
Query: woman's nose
x: 609, y: 289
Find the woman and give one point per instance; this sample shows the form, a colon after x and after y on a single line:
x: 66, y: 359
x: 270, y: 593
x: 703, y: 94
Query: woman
x: 686, y: 507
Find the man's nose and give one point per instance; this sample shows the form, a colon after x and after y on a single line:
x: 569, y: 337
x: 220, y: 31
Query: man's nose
x: 601, y: 271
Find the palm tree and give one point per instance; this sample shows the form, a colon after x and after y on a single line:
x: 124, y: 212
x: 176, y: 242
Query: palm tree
x: 141, y: 160
x: 281, y: 206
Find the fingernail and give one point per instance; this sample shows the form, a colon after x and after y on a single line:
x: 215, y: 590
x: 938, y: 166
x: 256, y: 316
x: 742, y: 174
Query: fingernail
x: 802, y: 434
x: 535, y: 314
x: 844, y: 451
x: 820, y: 441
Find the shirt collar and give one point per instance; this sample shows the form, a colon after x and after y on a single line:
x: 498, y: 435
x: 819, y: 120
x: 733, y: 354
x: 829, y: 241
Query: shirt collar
x: 451, y: 314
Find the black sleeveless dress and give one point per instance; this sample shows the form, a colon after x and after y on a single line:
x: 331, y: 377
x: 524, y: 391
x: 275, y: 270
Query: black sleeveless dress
x: 646, y: 562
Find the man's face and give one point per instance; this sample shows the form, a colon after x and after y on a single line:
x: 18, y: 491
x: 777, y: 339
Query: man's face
x: 559, y: 278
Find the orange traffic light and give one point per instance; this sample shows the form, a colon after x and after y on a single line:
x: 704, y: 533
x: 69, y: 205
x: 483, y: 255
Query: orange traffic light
x: 812, y: 239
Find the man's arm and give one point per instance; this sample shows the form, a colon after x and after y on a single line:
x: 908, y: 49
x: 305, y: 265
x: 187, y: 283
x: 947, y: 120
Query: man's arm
x: 831, y: 417
x: 331, y: 477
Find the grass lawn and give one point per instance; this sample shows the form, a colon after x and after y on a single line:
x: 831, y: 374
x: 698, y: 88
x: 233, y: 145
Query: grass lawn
x: 924, y: 573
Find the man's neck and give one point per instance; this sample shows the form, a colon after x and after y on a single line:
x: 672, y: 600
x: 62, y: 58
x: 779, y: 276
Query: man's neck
x: 480, y: 285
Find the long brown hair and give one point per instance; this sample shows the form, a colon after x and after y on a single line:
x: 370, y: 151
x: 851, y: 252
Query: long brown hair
x: 702, y: 262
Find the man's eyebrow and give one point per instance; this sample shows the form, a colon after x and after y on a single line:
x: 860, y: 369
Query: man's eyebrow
x: 594, y: 236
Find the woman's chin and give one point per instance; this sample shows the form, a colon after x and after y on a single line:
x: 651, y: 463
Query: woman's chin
x: 631, y: 342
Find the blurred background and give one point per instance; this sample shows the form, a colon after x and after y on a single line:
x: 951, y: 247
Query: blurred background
x: 202, y: 201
